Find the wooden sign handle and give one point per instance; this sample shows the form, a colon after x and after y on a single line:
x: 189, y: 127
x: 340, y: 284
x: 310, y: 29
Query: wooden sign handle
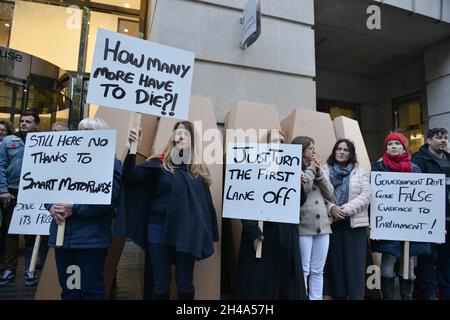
x: 37, y: 244
x: 406, y: 260
x: 259, y: 245
x: 60, y: 234
x: 137, y: 125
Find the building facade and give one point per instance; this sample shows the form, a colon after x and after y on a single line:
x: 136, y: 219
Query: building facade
x: 383, y: 63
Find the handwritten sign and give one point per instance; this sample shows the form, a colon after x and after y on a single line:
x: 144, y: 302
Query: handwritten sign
x: 30, y: 219
x: 262, y: 182
x: 141, y: 76
x: 68, y: 167
x: 408, y: 207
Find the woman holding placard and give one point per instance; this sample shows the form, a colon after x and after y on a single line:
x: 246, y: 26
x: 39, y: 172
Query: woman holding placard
x: 396, y: 159
x: 276, y: 274
x: 169, y: 210
x: 315, y: 219
x: 345, y: 268
x: 87, y: 237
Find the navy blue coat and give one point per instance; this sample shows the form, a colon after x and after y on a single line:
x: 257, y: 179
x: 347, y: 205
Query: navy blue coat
x: 392, y: 247
x: 191, y: 223
x: 89, y: 227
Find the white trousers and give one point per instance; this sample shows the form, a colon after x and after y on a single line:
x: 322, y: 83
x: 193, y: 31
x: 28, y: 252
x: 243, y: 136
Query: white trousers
x: 314, y: 250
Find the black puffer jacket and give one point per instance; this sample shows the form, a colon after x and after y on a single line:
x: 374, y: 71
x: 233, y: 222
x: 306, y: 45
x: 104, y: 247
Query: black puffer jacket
x: 428, y: 164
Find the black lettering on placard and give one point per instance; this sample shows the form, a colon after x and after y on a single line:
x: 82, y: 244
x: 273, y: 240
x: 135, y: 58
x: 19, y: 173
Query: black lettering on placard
x: 117, y: 92
x: 127, y: 77
x: 84, y: 157
x: 424, y: 210
x: 382, y: 207
x: 24, y: 206
x: 98, y: 142
x: 45, y: 185
x: 380, y: 195
x: 267, y: 174
x: 155, y: 63
x: 148, y: 82
x: 89, y: 186
x: 123, y: 56
x: 389, y: 182
x: 410, y: 194
x: 65, y: 140
x: 160, y: 101
x: 271, y: 156
x: 239, y: 174
x: 43, y: 218
x: 42, y: 157
x: 25, y: 220
x: 274, y: 197
x: 248, y: 195
x: 40, y: 141
x: 380, y: 223
x: 433, y: 182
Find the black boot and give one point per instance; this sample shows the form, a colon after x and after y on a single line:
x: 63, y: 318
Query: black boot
x: 161, y: 296
x: 387, y: 288
x: 406, y: 289
x: 186, y: 295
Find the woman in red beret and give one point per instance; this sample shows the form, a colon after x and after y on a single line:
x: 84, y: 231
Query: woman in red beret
x: 397, y: 159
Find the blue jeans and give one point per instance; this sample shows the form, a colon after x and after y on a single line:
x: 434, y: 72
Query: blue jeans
x: 434, y: 271
x: 161, y: 258
x: 91, y: 263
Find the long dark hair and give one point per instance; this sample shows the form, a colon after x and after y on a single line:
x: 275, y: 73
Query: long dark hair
x: 351, y: 148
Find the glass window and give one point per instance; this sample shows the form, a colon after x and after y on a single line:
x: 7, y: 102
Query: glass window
x: 338, y: 108
x: 47, y: 31
x: 52, y: 106
x: 127, y: 4
x: 11, y: 99
x: 5, y: 22
x: 408, y: 121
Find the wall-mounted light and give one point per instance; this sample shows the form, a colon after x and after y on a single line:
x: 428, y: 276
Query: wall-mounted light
x: 125, y: 30
x: 7, y: 25
x: 126, y: 5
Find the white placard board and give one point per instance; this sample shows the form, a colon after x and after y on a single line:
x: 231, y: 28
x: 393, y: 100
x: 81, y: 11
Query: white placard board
x: 31, y: 219
x: 141, y: 76
x: 408, y: 206
x: 262, y: 182
x: 68, y: 167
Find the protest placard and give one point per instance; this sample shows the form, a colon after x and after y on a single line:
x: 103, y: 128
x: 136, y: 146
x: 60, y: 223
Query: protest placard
x: 68, y: 167
x: 262, y: 182
x: 408, y: 207
x: 142, y: 76
x: 31, y: 219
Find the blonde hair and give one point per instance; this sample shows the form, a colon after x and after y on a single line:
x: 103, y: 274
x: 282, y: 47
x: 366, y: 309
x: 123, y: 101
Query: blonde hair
x: 93, y: 124
x: 195, y: 165
x: 63, y: 126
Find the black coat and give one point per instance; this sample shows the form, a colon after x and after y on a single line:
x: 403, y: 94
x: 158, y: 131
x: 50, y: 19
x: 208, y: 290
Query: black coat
x: 428, y: 164
x: 278, y: 273
x: 393, y: 247
x: 191, y: 223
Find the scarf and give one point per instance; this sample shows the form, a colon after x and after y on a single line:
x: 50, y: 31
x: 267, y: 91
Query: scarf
x: 398, y: 163
x: 340, y: 179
